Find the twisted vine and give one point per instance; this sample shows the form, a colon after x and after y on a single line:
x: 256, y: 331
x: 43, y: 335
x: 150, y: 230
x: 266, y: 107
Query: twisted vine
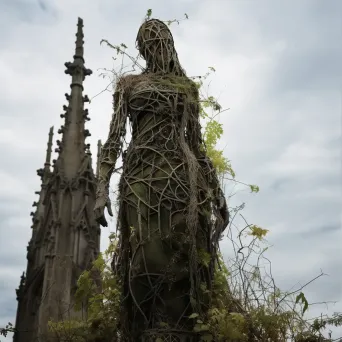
x: 171, y: 208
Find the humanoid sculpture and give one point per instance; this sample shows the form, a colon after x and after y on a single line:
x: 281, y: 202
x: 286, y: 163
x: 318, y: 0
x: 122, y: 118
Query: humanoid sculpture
x: 171, y: 207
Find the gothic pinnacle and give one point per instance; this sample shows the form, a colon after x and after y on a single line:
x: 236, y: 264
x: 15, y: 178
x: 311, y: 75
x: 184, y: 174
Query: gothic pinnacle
x: 77, y: 65
x: 72, y: 147
x: 79, y: 39
x: 99, y: 146
x: 65, y: 235
x: 43, y: 173
x: 49, y: 149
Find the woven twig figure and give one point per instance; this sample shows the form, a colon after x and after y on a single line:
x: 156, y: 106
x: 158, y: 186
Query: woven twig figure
x: 172, y: 210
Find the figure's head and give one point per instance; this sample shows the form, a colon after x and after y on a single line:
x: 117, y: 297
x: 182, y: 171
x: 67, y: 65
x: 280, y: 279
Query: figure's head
x: 156, y: 46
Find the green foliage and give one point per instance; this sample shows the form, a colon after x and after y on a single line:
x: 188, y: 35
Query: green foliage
x: 220, y: 284
x: 323, y: 322
x: 69, y: 330
x: 254, y: 188
x: 301, y: 298
x: 204, y: 257
x: 148, y: 14
x: 98, y: 296
x: 227, y: 326
x: 257, y: 232
x: 251, y: 310
x: 213, y: 129
x: 8, y: 329
x: 168, y: 22
x: 246, y: 305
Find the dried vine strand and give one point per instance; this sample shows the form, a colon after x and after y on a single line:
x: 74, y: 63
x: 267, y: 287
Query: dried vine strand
x: 170, y: 205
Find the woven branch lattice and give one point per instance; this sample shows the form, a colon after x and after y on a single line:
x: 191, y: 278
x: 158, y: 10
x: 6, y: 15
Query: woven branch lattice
x: 168, y: 336
x: 171, y: 208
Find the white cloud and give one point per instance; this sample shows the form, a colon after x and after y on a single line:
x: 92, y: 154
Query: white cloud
x: 277, y: 72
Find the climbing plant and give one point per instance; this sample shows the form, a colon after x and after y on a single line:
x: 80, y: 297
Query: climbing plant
x: 246, y: 303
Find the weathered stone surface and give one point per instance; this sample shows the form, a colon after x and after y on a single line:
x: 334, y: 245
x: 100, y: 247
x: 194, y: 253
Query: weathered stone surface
x: 65, y: 236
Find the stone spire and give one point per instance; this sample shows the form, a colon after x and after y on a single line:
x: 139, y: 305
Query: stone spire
x: 66, y: 235
x: 44, y: 174
x: 72, y: 147
x: 49, y: 151
x: 99, y: 146
x: 24, y: 315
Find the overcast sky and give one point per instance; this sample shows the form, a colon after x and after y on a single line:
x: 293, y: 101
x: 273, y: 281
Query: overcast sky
x: 278, y: 70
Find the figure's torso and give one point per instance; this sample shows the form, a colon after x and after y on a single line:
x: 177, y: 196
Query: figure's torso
x: 156, y: 106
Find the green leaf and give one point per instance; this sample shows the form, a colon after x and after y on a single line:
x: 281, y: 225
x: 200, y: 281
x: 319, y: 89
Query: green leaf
x: 99, y: 263
x: 163, y: 325
x: 201, y: 327
x: 149, y: 13
x: 301, y: 298
x: 194, y: 315
x: 257, y: 232
x: 112, y: 236
x: 206, y: 338
x: 254, y: 188
x: 204, y: 257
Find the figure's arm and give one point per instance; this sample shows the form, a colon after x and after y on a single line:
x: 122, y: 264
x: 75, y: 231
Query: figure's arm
x: 112, y: 148
x: 197, y: 146
x: 220, y: 198
x: 193, y: 129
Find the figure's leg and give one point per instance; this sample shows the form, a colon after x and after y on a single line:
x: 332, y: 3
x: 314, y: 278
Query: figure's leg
x: 159, y: 278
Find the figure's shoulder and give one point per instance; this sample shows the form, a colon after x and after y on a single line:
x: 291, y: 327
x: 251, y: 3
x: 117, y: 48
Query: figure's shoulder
x: 128, y: 82
x: 124, y: 80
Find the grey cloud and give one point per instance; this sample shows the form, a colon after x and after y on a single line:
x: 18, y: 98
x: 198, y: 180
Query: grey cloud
x: 325, y: 230
x: 14, y: 236
x: 325, y: 288
x: 42, y: 5
x: 315, y: 68
x: 13, y: 251
x: 310, y: 19
x: 306, y: 32
x: 31, y: 11
x: 277, y: 69
x: 279, y: 183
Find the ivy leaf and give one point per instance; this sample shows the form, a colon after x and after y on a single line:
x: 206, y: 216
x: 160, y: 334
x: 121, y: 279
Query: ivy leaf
x: 163, y: 325
x: 206, y: 338
x: 257, y: 232
x: 254, y: 188
x: 217, y: 106
x: 193, y: 315
x: 149, y: 13
x: 201, y: 327
x: 301, y: 298
x: 204, y: 257
x: 99, y: 263
x: 112, y: 236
